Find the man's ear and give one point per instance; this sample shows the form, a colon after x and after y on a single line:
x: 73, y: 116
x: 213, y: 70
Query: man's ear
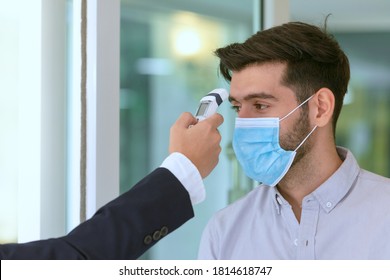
x: 322, y: 111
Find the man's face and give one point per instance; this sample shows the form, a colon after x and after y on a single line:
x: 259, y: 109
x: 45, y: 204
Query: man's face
x: 257, y: 92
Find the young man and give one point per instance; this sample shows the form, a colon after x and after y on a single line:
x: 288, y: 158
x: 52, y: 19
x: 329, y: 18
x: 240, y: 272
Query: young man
x: 313, y: 201
x: 157, y: 205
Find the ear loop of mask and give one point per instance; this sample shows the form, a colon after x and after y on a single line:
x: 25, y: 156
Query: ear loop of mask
x: 296, y: 108
x: 293, y: 112
x: 305, y: 138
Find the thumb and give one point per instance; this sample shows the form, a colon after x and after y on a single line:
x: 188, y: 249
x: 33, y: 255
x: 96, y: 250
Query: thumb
x: 215, y: 120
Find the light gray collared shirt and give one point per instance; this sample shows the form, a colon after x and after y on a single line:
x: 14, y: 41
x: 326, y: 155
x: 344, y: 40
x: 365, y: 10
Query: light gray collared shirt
x: 347, y: 217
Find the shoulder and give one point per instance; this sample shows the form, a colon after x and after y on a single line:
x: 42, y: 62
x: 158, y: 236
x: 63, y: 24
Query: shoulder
x: 374, y: 182
x: 371, y: 192
x: 365, y: 181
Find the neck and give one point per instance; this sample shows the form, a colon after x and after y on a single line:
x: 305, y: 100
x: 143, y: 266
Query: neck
x: 306, y: 175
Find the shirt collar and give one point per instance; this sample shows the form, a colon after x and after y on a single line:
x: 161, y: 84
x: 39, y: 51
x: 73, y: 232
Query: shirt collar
x: 333, y: 190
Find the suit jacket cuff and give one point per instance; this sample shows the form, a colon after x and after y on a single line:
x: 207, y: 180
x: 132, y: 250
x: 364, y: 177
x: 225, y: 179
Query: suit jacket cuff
x: 188, y: 175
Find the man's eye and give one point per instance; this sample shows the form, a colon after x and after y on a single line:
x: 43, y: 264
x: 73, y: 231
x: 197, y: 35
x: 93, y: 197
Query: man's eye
x: 236, y: 108
x: 261, y: 106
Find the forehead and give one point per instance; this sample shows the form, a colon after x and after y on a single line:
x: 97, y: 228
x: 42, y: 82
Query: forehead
x: 259, y: 78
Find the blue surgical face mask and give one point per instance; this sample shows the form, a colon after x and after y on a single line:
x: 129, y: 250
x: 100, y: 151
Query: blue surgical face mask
x: 256, y: 145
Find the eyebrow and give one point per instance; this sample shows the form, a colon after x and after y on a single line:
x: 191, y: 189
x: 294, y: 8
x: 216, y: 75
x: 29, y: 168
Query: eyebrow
x: 261, y: 95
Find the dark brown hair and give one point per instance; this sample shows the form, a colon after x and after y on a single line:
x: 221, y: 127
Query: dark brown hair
x: 313, y: 57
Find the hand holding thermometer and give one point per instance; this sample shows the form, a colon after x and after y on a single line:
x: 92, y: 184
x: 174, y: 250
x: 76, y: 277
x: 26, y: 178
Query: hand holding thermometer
x: 209, y: 103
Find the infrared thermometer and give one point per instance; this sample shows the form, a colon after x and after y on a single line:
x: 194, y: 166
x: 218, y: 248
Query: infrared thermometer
x: 209, y: 103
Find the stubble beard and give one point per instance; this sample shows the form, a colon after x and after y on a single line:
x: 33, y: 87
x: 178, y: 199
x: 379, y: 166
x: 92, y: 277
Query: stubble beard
x: 296, y: 135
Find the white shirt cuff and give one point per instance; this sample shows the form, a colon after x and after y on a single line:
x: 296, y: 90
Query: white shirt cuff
x: 188, y: 175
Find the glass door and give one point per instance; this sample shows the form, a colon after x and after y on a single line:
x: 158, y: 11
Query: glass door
x: 167, y: 66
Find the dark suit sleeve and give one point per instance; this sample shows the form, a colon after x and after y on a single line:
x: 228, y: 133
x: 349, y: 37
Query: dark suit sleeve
x: 123, y: 229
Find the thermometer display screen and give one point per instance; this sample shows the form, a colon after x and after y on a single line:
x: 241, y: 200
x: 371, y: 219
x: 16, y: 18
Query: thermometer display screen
x: 202, y: 108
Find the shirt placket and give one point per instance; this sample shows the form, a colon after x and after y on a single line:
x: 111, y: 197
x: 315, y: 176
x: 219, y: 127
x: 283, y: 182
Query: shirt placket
x: 305, y: 241
x: 291, y: 225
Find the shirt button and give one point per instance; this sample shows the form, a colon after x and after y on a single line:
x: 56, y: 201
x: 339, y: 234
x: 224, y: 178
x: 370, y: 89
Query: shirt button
x: 329, y: 204
x: 296, y: 242
x: 279, y: 200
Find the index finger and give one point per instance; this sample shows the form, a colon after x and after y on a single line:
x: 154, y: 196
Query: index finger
x: 185, y: 120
